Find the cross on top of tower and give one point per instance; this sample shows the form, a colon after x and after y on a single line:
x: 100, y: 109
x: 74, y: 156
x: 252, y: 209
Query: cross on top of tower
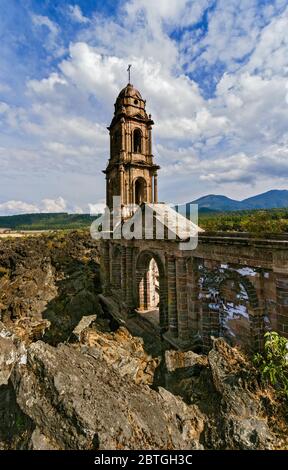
x: 129, y: 73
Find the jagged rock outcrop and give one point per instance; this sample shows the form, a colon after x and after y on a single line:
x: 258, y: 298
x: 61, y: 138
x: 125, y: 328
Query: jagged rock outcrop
x: 179, y: 360
x: 244, y: 422
x: 102, y: 389
x: 78, y: 402
x: 88, y: 395
x: 123, y: 352
x: 12, y: 350
x: 40, y: 442
x: 225, y: 388
x: 15, y: 426
x: 7, y: 359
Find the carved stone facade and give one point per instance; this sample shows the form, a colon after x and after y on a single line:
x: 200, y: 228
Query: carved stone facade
x: 131, y: 173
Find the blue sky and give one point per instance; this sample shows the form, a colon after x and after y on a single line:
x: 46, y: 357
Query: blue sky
x: 214, y: 74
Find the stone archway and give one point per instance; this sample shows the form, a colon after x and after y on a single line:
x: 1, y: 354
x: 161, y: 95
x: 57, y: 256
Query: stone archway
x: 230, y: 308
x: 151, y: 287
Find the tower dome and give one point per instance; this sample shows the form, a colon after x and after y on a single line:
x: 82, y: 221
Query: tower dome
x: 129, y: 92
x: 130, y: 102
x: 129, y: 96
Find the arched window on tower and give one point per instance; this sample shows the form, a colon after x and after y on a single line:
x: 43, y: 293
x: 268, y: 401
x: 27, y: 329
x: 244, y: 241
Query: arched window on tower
x: 137, y: 137
x: 140, y: 190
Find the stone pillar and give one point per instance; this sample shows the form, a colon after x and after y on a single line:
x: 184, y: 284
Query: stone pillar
x: 127, y: 191
x: 107, y: 190
x: 256, y: 318
x: 155, y: 188
x: 140, y: 287
x: 210, y: 321
x: 163, y: 302
x: 123, y: 272
x: 128, y: 149
x: 129, y: 277
x: 149, y: 141
x: 147, y: 289
x: 206, y: 323
x: 116, y: 267
x: 172, y: 300
x: 121, y: 169
x: 105, y: 265
x: 182, y: 299
x: 193, y: 295
x: 127, y: 146
x: 282, y: 303
x: 143, y: 284
x: 122, y: 134
x: 148, y: 192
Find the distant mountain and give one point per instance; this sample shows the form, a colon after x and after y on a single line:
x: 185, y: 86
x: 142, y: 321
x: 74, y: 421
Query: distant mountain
x: 270, y: 200
x: 217, y: 203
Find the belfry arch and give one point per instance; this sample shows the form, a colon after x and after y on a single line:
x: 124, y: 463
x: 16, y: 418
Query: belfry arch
x: 137, y: 140
x: 140, y: 190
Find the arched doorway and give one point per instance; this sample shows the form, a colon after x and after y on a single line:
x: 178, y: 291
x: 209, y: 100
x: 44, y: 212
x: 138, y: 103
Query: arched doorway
x: 150, y: 285
x: 140, y: 188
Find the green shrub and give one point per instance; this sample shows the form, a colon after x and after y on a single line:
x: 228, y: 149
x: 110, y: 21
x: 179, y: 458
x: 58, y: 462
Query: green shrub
x: 273, y: 363
x: 256, y: 222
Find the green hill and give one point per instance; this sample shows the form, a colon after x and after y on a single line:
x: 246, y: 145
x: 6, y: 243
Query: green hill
x: 46, y: 221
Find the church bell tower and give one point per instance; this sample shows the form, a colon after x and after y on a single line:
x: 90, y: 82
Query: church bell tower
x: 131, y: 173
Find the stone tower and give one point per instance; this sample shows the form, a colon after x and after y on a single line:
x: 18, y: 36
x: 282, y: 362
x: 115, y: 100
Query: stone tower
x: 131, y: 173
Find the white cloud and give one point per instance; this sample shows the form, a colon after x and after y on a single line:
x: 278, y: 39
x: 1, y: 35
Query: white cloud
x: 228, y: 138
x: 4, y: 108
x: 270, y: 54
x: 98, y: 208
x: 51, y: 41
x: 17, y: 207
x: 156, y: 11
x: 40, y: 20
x: 234, y: 30
x: 46, y: 205
x: 77, y: 15
x: 54, y: 205
x: 46, y: 86
x: 92, y: 72
x: 4, y: 88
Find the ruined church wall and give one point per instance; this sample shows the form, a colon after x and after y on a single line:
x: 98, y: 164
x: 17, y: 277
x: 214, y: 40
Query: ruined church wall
x: 231, y: 288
